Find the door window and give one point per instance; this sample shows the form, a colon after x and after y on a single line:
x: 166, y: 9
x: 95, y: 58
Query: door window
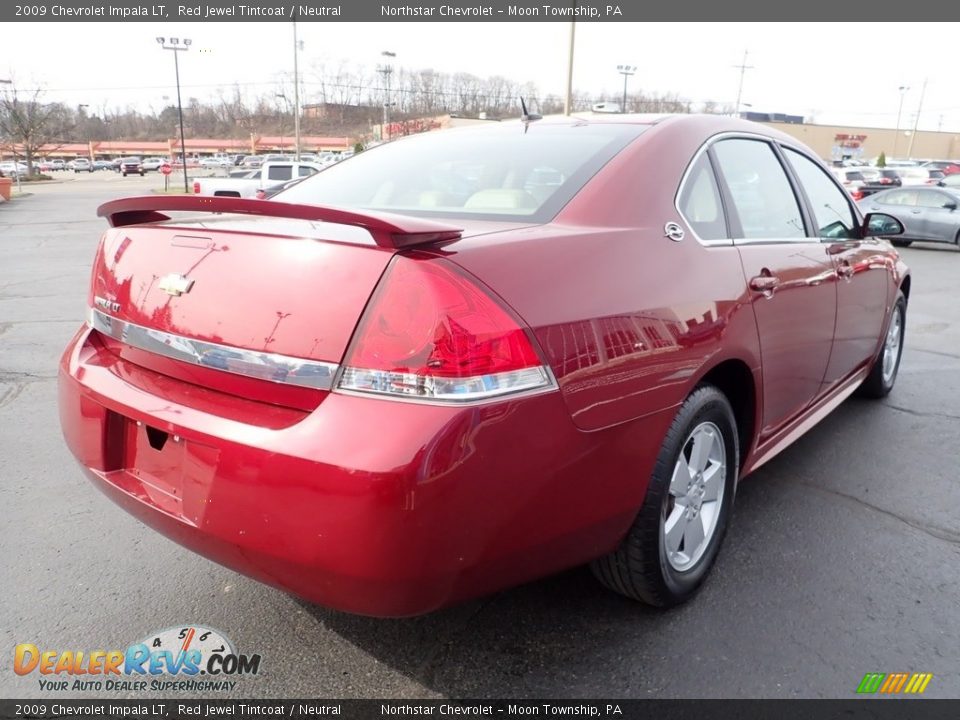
x: 831, y: 209
x: 761, y: 192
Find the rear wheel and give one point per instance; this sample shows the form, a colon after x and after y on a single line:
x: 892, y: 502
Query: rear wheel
x: 883, y: 374
x: 674, y: 539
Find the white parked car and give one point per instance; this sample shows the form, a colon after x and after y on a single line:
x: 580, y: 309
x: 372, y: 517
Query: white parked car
x: 919, y: 176
x: 13, y: 169
x: 851, y: 178
x: 80, y: 165
x: 153, y: 163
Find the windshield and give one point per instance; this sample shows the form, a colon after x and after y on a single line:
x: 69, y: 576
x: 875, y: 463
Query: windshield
x: 494, y: 172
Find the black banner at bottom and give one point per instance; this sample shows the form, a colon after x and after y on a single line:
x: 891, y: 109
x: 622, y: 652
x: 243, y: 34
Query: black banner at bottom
x: 874, y: 709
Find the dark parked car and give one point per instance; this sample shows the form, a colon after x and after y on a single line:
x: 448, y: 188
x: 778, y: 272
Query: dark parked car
x: 470, y: 358
x: 878, y: 179
x: 928, y: 214
x: 131, y: 166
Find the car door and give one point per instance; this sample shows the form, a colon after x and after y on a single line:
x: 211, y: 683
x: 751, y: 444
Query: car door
x: 902, y: 204
x: 790, y: 276
x: 939, y: 217
x: 859, y: 263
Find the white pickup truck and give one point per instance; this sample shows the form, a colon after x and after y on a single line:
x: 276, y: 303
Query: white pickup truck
x: 267, y: 176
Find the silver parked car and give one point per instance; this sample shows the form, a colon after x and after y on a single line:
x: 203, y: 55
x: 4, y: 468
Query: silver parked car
x: 928, y: 214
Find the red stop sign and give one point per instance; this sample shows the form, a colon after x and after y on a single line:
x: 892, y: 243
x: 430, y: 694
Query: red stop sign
x: 166, y: 169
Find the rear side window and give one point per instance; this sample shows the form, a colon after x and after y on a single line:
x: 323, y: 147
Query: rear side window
x: 899, y: 197
x: 280, y: 172
x: 762, y: 195
x: 700, y: 202
x: 934, y: 199
x: 304, y: 171
x: 831, y: 209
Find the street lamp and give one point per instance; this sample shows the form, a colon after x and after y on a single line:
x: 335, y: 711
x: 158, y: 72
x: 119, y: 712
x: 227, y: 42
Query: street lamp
x: 174, y: 44
x: 903, y: 91
x: 386, y: 70
x: 296, y: 93
x: 626, y: 71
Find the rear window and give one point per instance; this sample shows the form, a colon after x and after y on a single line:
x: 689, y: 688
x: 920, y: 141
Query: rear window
x: 501, y: 172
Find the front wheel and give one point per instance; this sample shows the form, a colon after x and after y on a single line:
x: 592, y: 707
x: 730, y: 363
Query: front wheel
x: 883, y: 374
x: 676, y: 536
x: 902, y: 243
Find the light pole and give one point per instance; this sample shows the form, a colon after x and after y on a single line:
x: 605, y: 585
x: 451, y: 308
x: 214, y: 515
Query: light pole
x: 296, y: 93
x: 903, y: 92
x: 386, y: 70
x: 916, y: 120
x: 174, y: 45
x: 626, y: 71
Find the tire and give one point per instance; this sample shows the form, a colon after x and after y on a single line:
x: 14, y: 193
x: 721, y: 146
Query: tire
x: 883, y: 374
x: 650, y: 567
x: 124, y: 174
x: 902, y: 243
x: 141, y: 173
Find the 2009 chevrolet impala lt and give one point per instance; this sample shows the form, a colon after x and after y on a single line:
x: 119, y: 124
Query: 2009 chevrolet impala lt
x: 470, y: 358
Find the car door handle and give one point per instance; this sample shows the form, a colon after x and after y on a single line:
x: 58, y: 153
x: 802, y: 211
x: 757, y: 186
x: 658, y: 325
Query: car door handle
x: 764, y: 283
x: 915, y: 212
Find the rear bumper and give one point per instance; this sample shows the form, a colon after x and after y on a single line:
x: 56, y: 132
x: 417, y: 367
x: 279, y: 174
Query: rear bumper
x: 366, y: 505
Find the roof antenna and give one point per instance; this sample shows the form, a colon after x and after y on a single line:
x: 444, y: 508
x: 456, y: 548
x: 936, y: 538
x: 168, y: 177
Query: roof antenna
x: 526, y: 118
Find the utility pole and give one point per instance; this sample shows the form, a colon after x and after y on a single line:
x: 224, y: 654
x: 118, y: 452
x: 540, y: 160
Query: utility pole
x: 743, y: 69
x: 568, y: 100
x: 916, y: 120
x: 903, y: 92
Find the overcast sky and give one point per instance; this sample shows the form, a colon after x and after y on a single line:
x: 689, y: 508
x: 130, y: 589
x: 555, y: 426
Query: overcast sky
x: 835, y: 72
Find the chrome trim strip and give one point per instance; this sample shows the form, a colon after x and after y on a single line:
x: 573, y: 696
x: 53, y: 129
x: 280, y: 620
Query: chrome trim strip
x: 470, y: 390
x: 239, y: 361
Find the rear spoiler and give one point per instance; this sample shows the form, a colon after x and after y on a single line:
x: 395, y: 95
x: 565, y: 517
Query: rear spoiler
x: 388, y: 230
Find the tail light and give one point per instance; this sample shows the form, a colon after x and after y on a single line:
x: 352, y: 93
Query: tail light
x: 856, y: 194
x: 433, y: 333
x: 196, y: 187
x: 885, y: 181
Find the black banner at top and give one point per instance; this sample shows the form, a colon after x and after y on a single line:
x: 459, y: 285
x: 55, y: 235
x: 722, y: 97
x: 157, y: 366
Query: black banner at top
x: 460, y: 11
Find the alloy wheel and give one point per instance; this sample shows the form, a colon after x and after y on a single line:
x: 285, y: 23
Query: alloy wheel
x: 695, y: 497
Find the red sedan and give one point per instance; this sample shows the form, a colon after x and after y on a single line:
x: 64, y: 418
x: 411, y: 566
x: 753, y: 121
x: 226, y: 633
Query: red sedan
x: 467, y: 359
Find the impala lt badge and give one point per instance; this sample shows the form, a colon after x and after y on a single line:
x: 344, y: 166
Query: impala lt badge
x: 106, y: 304
x: 174, y: 284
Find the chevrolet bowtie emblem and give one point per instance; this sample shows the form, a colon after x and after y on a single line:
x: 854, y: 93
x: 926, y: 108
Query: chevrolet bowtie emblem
x: 174, y: 284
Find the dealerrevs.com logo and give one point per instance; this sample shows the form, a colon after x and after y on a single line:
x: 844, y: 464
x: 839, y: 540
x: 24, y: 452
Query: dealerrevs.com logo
x: 189, y: 658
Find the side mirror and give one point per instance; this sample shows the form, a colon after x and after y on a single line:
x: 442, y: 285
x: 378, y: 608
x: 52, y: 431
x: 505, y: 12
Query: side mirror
x: 951, y: 205
x: 881, y: 225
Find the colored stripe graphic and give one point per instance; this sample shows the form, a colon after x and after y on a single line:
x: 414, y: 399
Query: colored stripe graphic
x: 871, y: 682
x: 895, y: 683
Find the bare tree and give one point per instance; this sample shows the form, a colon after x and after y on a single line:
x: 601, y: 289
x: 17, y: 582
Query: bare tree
x: 30, y: 123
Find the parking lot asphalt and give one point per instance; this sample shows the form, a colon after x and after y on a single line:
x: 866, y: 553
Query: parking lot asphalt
x: 843, y: 556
